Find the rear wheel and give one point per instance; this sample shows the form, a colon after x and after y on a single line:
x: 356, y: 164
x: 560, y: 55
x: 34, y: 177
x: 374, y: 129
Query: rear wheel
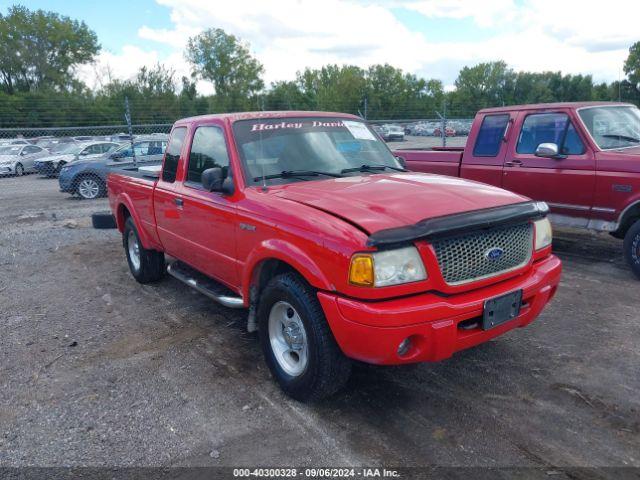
x: 632, y: 248
x: 146, y: 266
x: 19, y: 170
x: 90, y: 187
x: 297, y: 342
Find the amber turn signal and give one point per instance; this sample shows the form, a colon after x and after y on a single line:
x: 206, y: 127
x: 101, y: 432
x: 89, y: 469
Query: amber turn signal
x: 361, y: 270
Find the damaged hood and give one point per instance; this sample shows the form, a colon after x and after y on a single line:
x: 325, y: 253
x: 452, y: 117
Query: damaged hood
x: 382, y: 201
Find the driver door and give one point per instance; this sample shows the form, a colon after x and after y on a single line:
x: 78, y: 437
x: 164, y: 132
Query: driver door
x: 566, y: 183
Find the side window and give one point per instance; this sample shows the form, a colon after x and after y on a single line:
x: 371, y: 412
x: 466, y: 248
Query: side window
x: 172, y: 155
x: 141, y: 148
x: 549, y: 128
x: 490, y: 135
x: 155, y: 148
x: 572, y: 143
x: 208, y: 150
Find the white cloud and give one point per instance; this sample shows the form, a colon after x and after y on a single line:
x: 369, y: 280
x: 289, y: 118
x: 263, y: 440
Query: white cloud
x: 289, y: 35
x: 485, y: 13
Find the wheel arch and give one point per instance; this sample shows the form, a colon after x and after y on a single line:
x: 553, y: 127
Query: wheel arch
x: 627, y: 218
x: 275, y: 257
x: 124, y: 209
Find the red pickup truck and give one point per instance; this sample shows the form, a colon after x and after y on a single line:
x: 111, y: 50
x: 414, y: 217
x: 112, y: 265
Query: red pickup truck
x: 308, y: 220
x: 582, y: 159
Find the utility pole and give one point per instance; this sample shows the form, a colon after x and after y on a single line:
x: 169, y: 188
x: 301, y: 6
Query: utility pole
x: 127, y: 117
x: 443, y: 122
x: 365, y: 107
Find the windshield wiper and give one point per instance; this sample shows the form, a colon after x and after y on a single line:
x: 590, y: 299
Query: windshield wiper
x: 297, y: 173
x: 372, y: 168
x: 622, y: 137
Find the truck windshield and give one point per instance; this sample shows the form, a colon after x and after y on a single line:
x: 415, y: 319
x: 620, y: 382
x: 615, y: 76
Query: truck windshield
x: 281, y: 150
x: 613, y: 127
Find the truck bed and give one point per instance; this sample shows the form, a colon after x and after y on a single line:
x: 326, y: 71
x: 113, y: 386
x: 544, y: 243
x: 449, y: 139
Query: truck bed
x: 440, y: 160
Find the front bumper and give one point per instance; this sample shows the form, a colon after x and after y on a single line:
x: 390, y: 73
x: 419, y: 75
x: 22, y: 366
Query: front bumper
x: 7, y: 169
x: 66, y: 181
x: 44, y: 168
x: 372, y: 331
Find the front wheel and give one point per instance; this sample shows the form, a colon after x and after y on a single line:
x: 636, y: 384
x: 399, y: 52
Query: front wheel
x: 146, y: 266
x: 632, y: 248
x: 19, y: 170
x: 297, y: 342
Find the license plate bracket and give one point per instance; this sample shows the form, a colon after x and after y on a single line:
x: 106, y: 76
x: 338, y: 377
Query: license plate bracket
x: 501, y: 309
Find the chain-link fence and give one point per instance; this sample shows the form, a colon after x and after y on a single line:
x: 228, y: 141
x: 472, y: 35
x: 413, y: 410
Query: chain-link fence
x: 81, y: 157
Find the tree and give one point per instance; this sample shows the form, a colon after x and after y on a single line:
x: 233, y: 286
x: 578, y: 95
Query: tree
x: 225, y: 61
x: 484, y: 85
x: 40, y: 50
x: 632, y: 66
x: 286, y: 95
x: 333, y: 87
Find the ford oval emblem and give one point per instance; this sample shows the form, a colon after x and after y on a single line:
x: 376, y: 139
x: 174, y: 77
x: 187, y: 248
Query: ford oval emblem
x: 494, y: 253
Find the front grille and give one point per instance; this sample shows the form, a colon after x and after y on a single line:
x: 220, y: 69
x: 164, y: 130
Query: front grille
x: 466, y: 258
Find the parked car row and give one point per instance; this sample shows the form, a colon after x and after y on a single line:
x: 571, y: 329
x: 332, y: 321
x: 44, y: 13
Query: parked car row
x: 453, y: 128
x: 87, y: 176
x: 82, y: 164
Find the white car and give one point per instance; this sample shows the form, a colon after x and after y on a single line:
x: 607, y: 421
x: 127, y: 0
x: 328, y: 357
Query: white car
x: 52, y: 163
x: 392, y: 132
x: 19, y: 159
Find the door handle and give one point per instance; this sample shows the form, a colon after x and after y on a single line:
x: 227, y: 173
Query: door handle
x: 513, y: 163
x: 179, y: 202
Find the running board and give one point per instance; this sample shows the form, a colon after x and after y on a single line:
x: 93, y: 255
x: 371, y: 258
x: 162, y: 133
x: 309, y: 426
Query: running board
x: 205, y: 285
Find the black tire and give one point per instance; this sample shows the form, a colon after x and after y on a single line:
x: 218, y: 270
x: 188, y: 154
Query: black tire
x: 101, y: 189
x: 103, y: 220
x: 632, y: 248
x: 327, y: 369
x: 150, y: 267
x: 19, y: 170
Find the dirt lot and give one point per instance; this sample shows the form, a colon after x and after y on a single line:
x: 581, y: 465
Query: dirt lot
x: 96, y: 369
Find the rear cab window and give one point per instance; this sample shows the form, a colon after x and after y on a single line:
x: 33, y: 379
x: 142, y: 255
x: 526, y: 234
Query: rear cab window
x: 208, y: 150
x: 172, y: 155
x: 490, y: 135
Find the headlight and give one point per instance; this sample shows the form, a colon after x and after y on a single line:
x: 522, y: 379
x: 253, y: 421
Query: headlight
x: 544, y: 235
x: 389, y: 267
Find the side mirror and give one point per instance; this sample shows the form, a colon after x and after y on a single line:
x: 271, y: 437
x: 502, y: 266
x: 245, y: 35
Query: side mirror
x: 548, y: 150
x: 213, y: 180
x: 401, y: 161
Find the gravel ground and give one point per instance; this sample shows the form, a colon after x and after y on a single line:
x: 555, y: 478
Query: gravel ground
x: 97, y: 370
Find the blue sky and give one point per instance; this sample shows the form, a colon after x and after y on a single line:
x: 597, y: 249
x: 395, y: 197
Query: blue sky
x: 116, y: 22
x: 432, y: 38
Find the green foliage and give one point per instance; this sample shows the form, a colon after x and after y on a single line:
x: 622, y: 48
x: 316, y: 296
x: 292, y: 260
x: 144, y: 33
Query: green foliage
x: 632, y: 66
x: 39, y: 50
x: 225, y: 61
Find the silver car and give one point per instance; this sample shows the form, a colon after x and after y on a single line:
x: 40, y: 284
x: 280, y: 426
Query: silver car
x: 19, y: 159
x: 50, y: 165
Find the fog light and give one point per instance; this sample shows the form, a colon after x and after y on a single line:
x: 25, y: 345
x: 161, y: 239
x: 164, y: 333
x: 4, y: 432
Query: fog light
x: 404, y: 347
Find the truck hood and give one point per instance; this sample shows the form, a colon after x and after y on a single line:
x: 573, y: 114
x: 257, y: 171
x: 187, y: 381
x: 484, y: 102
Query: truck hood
x: 381, y: 201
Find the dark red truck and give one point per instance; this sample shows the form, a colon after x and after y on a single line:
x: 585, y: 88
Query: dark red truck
x: 307, y: 220
x: 582, y: 159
